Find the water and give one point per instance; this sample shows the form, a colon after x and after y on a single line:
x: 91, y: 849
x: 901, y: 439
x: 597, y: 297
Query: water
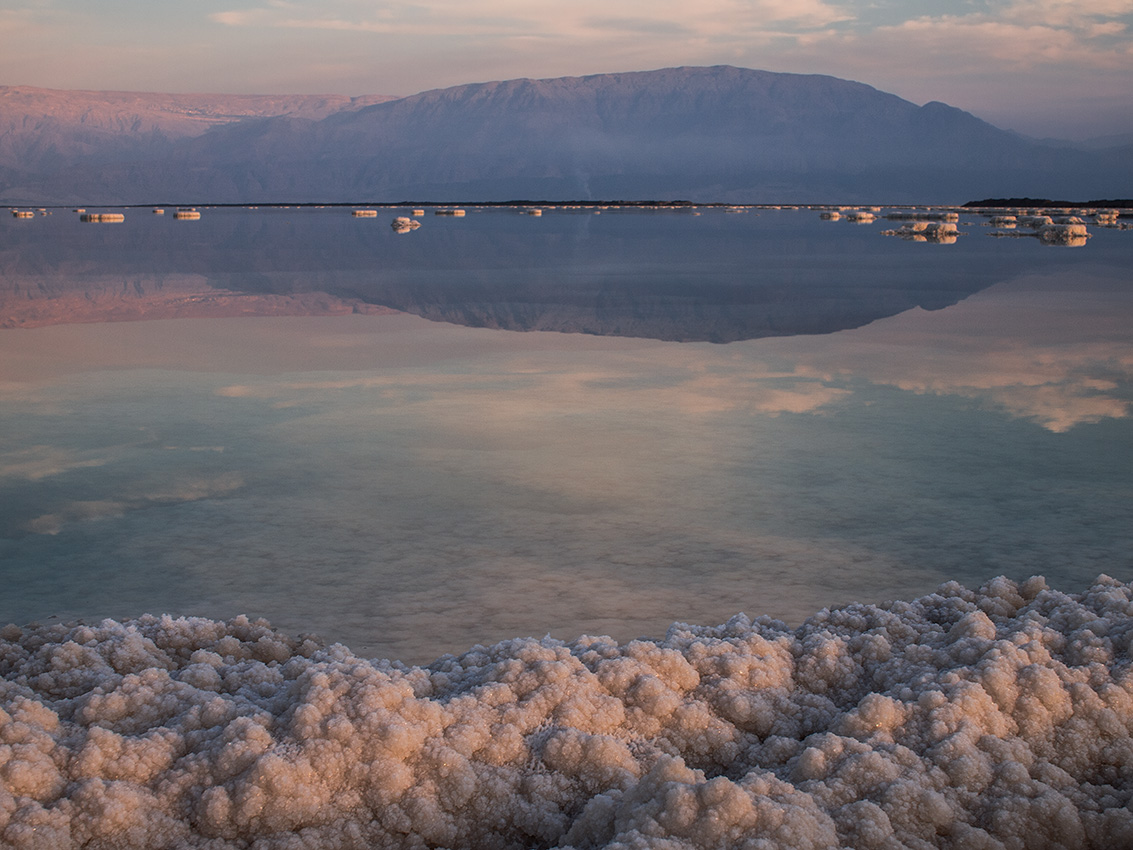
x: 758, y: 412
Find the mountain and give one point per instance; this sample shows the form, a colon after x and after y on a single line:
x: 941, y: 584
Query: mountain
x: 718, y: 133
x: 49, y: 137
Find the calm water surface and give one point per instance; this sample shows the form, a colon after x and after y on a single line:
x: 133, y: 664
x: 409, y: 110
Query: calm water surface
x: 577, y: 423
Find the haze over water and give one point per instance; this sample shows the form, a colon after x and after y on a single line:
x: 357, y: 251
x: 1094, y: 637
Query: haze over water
x: 763, y: 412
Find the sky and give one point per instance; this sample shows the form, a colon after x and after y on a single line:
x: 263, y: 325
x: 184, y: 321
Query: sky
x: 1046, y: 68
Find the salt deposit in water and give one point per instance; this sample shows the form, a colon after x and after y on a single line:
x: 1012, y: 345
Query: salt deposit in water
x: 941, y: 232
x: 403, y: 224
x: 998, y: 718
x: 1063, y: 233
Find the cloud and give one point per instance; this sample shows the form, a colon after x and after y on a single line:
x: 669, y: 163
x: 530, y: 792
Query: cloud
x: 978, y: 42
x: 33, y: 19
x: 644, y: 26
x: 1071, y: 14
x: 545, y: 20
x: 1037, y: 30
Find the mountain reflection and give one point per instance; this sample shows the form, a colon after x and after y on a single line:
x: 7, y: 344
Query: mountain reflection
x: 667, y: 276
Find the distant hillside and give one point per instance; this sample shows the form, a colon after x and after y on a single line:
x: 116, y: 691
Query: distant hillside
x: 993, y: 203
x: 51, y: 139
x: 718, y: 133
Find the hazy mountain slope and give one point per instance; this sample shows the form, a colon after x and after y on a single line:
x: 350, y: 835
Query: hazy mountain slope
x: 717, y: 133
x: 47, y: 132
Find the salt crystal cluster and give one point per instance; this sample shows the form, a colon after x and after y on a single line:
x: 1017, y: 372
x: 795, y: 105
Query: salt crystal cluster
x: 404, y: 224
x: 998, y: 718
x: 942, y: 232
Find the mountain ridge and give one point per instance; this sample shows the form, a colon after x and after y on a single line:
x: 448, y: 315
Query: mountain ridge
x: 716, y: 133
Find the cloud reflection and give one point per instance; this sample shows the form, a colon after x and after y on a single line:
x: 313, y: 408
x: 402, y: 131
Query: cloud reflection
x: 189, y: 490
x: 1026, y: 348
x: 37, y: 462
x: 412, y: 488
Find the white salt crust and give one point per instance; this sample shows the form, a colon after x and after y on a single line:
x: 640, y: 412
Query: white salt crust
x: 991, y: 719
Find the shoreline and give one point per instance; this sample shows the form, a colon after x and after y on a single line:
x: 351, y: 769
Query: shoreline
x: 962, y: 718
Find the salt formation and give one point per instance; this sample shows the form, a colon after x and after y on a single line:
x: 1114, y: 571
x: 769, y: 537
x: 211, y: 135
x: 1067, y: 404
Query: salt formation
x: 991, y: 719
x: 187, y: 215
x: 1067, y: 233
x: 940, y: 232
x: 102, y: 217
x: 364, y: 213
x: 1005, y: 221
x: 402, y: 224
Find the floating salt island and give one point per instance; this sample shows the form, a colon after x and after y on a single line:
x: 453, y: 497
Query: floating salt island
x: 1007, y: 222
x: 454, y: 212
x: 1063, y: 231
x: 939, y: 232
x: 403, y: 224
x: 187, y: 215
x: 102, y: 218
x: 1072, y: 233
x: 364, y: 213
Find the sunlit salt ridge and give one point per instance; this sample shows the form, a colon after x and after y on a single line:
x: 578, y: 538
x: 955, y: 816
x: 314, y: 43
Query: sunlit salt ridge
x: 997, y: 718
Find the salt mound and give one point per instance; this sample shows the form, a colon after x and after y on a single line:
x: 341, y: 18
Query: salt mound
x: 1064, y: 233
x: 403, y: 224
x: 1006, y: 221
x: 992, y: 719
x: 940, y: 232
